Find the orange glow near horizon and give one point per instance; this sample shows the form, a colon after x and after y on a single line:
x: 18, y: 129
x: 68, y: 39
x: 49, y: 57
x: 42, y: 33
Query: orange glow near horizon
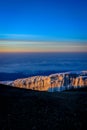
x: 22, y: 46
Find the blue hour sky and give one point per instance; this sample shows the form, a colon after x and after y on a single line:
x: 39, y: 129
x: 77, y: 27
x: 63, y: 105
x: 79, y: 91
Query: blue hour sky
x: 43, y: 20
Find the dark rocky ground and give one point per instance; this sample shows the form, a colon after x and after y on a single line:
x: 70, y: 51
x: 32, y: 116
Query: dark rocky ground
x: 22, y: 109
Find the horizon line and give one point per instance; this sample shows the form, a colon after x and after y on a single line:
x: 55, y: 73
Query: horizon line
x: 48, y: 52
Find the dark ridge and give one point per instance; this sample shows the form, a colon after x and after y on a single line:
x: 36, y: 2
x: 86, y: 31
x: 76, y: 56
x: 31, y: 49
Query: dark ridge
x: 11, y: 76
x: 22, y: 109
x: 79, y: 89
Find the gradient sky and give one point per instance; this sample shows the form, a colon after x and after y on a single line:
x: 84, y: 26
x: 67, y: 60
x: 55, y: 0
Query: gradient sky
x: 43, y: 25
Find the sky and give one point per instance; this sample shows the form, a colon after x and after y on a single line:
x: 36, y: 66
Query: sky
x: 43, y: 25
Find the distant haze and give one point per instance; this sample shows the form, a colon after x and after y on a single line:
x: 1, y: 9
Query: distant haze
x: 42, y: 46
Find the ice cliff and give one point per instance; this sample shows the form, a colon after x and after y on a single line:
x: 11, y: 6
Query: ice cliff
x: 60, y: 81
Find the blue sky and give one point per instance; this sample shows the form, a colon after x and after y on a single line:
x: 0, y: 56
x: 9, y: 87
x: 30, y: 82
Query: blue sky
x: 43, y: 20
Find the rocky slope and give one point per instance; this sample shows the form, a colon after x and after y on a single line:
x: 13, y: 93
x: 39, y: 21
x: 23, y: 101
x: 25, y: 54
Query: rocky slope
x: 58, y: 81
x: 22, y: 109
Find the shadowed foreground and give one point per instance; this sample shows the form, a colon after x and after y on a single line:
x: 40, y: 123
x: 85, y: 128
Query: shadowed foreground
x: 22, y: 109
